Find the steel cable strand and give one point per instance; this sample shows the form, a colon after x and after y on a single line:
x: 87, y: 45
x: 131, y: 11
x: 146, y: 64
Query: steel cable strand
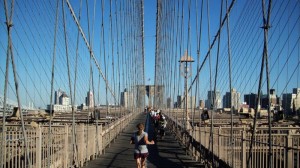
x: 95, y: 114
x: 188, y: 51
x: 112, y: 50
x: 122, y: 46
x: 180, y: 50
x: 104, y: 52
x: 10, y: 53
x: 176, y: 78
x: 288, y: 81
x: 3, y: 146
x: 174, y: 62
x: 215, y: 86
x: 90, y: 80
x: 26, y: 70
x: 22, y: 83
x: 88, y: 46
x: 238, y: 28
x: 272, y: 67
x: 242, y: 59
x: 285, y: 63
x: 39, y: 35
x: 250, y: 78
x: 47, y: 27
x: 251, y: 75
x: 70, y: 85
x: 75, y: 84
x: 264, y: 58
x: 210, y: 104
x: 143, y: 43
x: 222, y: 75
x: 158, y: 3
x: 266, y: 29
x: 285, y: 43
x: 230, y: 85
x: 197, y: 92
x: 212, y: 44
x: 118, y: 56
x: 51, y: 94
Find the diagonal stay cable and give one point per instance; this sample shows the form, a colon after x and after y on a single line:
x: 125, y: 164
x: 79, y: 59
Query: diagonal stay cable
x: 89, y: 47
x: 212, y: 44
x: 11, y: 54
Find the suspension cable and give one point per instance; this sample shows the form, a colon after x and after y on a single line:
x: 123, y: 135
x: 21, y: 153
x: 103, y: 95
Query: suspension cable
x: 51, y: 94
x: 90, y: 49
x: 75, y: 82
x: 10, y: 52
x: 212, y: 44
x: 230, y: 85
x: 199, y: 37
x: 266, y: 26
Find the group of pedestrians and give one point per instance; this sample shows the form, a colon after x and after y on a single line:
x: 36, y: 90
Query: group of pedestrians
x: 140, y: 137
x: 159, y: 122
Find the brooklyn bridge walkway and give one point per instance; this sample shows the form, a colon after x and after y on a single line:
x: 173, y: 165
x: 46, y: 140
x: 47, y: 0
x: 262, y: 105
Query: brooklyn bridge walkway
x: 165, y: 153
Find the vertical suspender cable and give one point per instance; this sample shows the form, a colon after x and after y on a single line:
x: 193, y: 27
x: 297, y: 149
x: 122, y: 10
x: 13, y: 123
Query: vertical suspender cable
x: 212, y: 44
x: 266, y: 27
x: 188, y: 51
x: 95, y: 114
x: 210, y: 84
x: 158, y: 4
x: 199, y: 36
x: 104, y: 53
x: 69, y: 79
x: 112, y: 49
x: 3, y: 145
x: 175, y: 63
x: 180, y: 48
x: 143, y: 46
x: 118, y: 55
x: 230, y: 83
x: 52, y: 89
x: 215, y: 104
x: 75, y: 81
x: 89, y: 48
x: 90, y: 80
x: 10, y: 51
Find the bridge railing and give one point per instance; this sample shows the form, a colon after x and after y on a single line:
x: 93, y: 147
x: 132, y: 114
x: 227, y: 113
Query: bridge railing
x: 88, y: 143
x: 285, y: 145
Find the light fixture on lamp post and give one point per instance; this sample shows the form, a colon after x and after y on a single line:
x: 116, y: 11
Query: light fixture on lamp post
x: 186, y: 71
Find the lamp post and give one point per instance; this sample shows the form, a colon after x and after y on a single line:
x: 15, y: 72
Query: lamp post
x: 186, y: 71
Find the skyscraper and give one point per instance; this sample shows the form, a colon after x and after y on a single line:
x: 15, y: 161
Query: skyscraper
x: 251, y: 99
x: 57, y: 95
x: 90, y: 99
x: 209, y: 101
x: 231, y: 100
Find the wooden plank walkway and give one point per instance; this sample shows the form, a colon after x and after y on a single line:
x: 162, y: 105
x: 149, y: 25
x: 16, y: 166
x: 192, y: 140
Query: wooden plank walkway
x: 165, y: 153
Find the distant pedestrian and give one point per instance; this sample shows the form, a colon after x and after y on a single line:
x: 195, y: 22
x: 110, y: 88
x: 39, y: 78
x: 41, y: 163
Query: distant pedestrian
x: 140, y: 140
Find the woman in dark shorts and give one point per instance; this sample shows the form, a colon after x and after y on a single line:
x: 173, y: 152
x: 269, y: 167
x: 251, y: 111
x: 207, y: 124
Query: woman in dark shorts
x: 140, y: 141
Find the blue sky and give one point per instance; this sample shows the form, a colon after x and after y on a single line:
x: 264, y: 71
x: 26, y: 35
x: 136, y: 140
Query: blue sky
x: 150, y: 25
x: 33, y: 33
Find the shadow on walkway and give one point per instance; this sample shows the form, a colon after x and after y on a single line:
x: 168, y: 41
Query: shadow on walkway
x: 165, y: 153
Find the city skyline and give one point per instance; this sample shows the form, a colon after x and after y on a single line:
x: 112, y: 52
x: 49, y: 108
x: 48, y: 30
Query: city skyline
x: 33, y: 49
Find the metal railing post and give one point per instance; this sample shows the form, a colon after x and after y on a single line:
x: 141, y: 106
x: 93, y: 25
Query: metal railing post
x: 220, y: 148
x: 244, y: 150
x: 66, y: 147
x: 38, y: 147
x: 289, y: 151
x: 100, y: 140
